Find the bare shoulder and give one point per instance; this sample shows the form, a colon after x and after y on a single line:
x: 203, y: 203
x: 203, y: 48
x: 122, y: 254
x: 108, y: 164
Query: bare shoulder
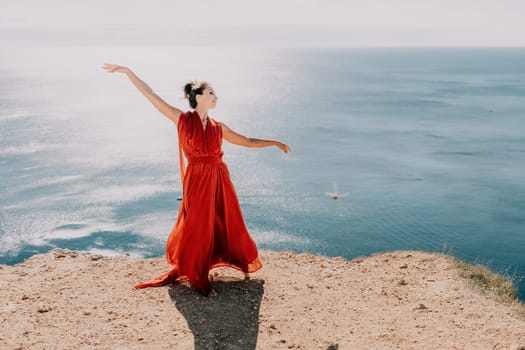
x: 181, y: 116
x: 221, y: 124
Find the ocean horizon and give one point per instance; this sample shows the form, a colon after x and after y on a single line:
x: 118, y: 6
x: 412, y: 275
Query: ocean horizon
x: 427, y: 145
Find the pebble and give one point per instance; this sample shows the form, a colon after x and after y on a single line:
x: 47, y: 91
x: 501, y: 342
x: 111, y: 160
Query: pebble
x: 43, y: 309
x: 421, y: 307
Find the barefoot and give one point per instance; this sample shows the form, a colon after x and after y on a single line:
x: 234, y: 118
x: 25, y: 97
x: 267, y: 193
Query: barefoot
x: 213, y: 293
x: 213, y: 276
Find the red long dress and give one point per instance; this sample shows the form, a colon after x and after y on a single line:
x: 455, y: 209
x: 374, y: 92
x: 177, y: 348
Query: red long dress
x: 210, y: 230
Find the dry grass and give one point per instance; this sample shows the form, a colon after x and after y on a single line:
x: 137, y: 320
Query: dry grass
x: 502, y: 286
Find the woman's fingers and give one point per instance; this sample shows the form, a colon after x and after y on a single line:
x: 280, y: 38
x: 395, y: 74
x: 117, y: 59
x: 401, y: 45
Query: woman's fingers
x: 111, y: 67
x: 108, y: 67
x: 285, y: 148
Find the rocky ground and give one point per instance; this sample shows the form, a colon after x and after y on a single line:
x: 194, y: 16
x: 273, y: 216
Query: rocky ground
x: 399, y: 300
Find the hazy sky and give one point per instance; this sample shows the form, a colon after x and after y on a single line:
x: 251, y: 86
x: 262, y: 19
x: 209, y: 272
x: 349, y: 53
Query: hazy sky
x: 268, y: 22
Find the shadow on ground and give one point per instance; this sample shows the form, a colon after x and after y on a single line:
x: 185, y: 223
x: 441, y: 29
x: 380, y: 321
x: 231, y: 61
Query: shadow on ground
x: 228, y: 321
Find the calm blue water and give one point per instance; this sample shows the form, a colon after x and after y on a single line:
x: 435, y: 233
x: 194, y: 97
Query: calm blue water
x: 429, y: 144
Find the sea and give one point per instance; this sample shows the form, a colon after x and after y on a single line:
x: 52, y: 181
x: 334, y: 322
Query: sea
x: 426, y: 147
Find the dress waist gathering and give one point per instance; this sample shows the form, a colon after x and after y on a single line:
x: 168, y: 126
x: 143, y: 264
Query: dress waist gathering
x: 205, y: 160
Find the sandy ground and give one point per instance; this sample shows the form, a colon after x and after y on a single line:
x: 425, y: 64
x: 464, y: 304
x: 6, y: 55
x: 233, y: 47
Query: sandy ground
x: 399, y: 300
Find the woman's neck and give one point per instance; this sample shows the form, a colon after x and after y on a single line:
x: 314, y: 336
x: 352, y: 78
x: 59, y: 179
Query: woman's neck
x: 203, y: 113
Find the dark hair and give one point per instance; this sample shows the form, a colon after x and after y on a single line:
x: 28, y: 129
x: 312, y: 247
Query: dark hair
x: 193, y: 88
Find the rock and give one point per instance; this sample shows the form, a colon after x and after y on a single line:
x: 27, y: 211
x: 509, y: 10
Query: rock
x: 43, y: 309
x: 421, y: 307
x: 402, y: 283
x: 62, y: 253
x: 404, y: 266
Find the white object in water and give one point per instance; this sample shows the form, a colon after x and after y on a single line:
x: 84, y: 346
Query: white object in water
x: 336, y: 194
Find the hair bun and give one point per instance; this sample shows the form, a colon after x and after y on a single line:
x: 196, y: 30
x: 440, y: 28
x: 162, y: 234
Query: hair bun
x: 187, y: 89
x: 193, y: 88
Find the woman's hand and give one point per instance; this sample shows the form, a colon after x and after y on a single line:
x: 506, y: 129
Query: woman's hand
x: 115, y: 68
x: 283, y: 147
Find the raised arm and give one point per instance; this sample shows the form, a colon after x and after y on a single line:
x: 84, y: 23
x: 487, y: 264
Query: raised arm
x: 241, y: 140
x: 170, y: 112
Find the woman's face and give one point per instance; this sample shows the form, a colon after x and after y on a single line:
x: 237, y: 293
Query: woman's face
x: 208, y: 99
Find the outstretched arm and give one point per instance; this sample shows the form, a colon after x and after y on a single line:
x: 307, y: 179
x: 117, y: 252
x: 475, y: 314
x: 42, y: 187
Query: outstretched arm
x: 164, y: 108
x: 238, y: 139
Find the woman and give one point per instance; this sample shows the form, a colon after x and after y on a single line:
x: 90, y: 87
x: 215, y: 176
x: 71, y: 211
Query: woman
x: 210, y: 230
